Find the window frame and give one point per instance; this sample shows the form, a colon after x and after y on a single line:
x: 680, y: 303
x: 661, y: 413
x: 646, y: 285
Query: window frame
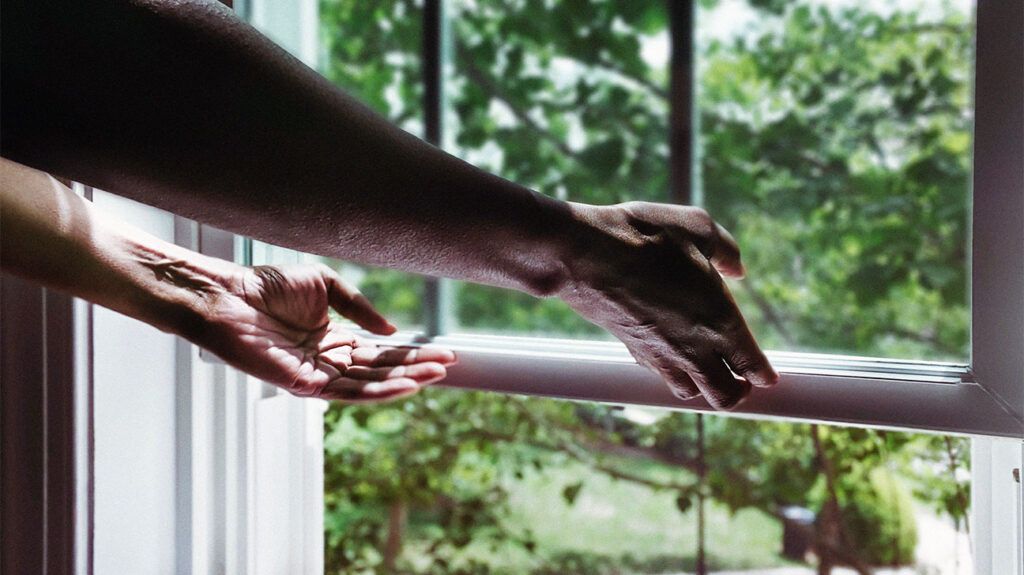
x: 984, y: 396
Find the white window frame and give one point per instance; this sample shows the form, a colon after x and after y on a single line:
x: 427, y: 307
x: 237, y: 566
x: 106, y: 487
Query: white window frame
x: 984, y: 396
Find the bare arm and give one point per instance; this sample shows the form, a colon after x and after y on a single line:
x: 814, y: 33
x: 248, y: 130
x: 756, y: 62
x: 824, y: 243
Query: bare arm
x: 269, y: 322
x: 182, y: 106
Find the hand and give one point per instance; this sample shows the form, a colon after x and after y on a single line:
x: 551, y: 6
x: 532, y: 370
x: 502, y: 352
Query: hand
x: 272, y: 322
x: 653, y: 279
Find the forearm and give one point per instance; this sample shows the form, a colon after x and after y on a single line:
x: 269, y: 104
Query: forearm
x: 50, y: 235
x: 188, y: 109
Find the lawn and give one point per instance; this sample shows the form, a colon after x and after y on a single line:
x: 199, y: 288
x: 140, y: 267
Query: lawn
x: 620, y: 527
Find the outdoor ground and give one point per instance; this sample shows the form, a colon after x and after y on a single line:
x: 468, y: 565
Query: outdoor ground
x: 619, y: 523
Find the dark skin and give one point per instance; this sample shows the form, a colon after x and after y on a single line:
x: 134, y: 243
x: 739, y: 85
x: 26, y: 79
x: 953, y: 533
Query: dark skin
x: 184, y: 107
x: 270, y: 322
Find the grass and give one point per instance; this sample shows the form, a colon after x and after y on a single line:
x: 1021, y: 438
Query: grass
x: 621, y: 527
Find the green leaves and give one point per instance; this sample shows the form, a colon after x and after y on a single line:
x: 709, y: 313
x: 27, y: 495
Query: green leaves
x: 571, y: 492
x: 604, y: 158
x: 834, y: 144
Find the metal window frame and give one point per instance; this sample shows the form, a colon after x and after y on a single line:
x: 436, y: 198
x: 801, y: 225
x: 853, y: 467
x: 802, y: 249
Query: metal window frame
x: 984, y: 397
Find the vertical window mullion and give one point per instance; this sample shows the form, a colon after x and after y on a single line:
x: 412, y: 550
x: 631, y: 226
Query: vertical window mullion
x: 437, y: 295
x: 684, y: 166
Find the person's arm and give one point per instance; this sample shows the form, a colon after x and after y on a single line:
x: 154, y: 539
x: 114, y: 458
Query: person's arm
x: 183, y: 106
x: 270, y: 322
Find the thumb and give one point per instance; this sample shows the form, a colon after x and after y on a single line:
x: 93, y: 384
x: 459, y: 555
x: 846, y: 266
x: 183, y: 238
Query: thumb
x: 347, y: 301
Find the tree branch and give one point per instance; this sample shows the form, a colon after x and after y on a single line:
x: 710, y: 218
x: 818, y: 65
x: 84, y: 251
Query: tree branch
x: 769, y: 313
x: 494, y: 90
x: 614, y: 68
x: 580, y: 454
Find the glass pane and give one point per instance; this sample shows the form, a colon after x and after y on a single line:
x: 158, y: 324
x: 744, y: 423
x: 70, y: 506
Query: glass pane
x: 837, y: 148
x: 835, y: 139
x: 372, y: 50
x: 469, y: 482
x: 567, y: 98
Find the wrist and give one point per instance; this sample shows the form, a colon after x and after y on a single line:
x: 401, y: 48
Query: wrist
x: 167, y: 286
x: 598, y: 239
x: 559, y: 243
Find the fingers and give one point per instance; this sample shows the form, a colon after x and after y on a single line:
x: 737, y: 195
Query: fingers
x: 422, y: 373
x: 357, y: 391
x: 339, y: 357
x: 347, y: 301
x: 384, y: 356
x: 717, y: 384
x: 694, y: 225
x: 749, y: 362
x: 715, y: 242
x: 726, y: 255
x: 364, y: 384
x: 680, y: 383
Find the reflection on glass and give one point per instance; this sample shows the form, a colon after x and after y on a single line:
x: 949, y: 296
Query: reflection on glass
x: 836, y: 146
x: 372, y: 50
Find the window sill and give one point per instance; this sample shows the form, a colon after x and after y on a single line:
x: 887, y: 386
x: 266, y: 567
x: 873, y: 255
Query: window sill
x: 895, y: 394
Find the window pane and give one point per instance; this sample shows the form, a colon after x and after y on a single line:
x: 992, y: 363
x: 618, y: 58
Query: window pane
x: 569, y: 99
x: 835, y: 142
x: 469, y: 482
x: 837, y: 148
x: 372, y: 50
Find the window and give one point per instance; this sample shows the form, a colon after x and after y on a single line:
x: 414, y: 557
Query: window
x: 461, y: 477
x: 194, y: 468
x: 530, y: 97
x: 855, y: 159
x: 889, y: 165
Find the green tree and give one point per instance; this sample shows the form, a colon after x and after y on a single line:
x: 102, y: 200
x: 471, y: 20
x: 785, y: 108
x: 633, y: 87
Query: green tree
x: 835, y: 145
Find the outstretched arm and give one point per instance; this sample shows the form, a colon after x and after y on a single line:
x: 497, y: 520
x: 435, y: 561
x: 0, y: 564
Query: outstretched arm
x: 183, y: 106
x: 270, y: 322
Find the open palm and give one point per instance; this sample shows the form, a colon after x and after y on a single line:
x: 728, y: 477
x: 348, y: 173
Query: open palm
x: 272, y: 322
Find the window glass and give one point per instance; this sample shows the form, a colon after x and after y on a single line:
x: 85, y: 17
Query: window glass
x: 836, y: 142
x: 372, y: 50
x: 569, y: 99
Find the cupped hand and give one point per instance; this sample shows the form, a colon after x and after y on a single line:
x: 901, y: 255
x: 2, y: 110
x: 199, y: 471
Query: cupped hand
x: 272, y: 322
x: 654, y: 280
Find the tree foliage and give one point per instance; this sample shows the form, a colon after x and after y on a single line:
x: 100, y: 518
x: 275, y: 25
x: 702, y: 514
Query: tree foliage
x: 835, y: 145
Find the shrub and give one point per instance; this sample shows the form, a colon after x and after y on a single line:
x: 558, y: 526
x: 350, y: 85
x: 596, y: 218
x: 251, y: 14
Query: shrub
x: 880, y: 521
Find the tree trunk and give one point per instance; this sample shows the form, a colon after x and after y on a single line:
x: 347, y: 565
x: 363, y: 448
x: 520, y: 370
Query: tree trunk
x: 827, y: 536
x: 397, y: 514
x: 832, y: 544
